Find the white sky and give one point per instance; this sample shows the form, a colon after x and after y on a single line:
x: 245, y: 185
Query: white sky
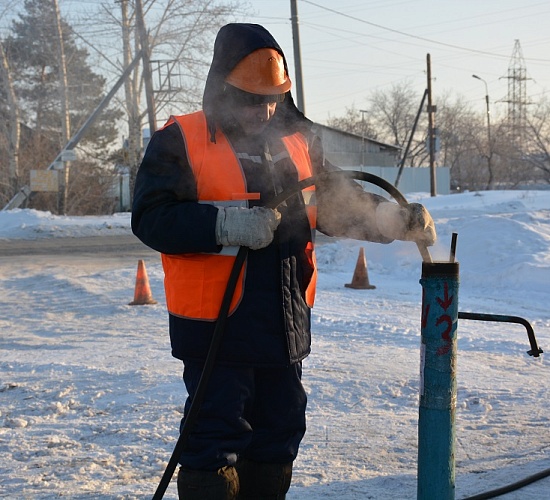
x: 352, y: 47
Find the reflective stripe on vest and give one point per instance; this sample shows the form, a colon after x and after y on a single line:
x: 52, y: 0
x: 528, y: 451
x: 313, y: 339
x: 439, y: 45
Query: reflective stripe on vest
x: 195, y: 283
x: 298, y: 150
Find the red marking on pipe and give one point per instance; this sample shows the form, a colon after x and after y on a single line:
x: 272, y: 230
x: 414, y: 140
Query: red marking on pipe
x: 425, y: 313
x: 447, y: 301
x: 446, y: 335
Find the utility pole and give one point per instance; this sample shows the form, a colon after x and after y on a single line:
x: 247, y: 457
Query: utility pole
x: 65, y: 117
x: 489, y: 143
x: 297, y: 57
x: 147, y: 76
x: 363, y: 111
x: 431, y: 128
x: 409, y: 142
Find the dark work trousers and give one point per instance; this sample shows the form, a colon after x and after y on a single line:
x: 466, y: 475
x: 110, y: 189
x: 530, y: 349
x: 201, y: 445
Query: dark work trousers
x: 253, y: 413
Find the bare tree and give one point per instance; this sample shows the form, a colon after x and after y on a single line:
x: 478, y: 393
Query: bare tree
x: 355, y: 122
x: 393, y: 112
x: 537, y: 148
x: 463, y: 138
x: 463, y: 143
x: 389, y: 117
x: 11, y: 124
x: 132, y: 91
x: 180, y: 37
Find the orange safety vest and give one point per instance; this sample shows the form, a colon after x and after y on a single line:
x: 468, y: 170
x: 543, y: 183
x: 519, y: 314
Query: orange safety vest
x: 194, y: 283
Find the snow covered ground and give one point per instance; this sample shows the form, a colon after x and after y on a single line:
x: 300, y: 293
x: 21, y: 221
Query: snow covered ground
x: 90, y: 398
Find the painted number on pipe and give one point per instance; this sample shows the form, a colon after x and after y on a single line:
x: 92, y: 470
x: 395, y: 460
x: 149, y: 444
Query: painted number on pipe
x: 445, y: 303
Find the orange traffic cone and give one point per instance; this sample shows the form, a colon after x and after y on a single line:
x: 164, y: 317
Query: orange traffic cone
x: 142, y: 293
x: 360, y: 278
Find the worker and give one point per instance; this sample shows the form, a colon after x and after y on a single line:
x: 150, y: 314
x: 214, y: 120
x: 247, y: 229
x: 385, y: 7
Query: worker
x: 200, y: 194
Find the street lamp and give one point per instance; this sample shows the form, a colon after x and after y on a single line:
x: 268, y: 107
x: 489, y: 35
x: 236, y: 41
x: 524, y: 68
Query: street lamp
x: 363, y: 111
x: 489, y: 147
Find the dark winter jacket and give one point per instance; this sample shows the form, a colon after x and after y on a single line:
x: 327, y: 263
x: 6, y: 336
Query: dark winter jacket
x: 271, y: 325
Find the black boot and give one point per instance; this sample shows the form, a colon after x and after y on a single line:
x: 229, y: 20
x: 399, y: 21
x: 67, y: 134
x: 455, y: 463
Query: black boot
x: 221, y: 484
x: 263, y: 481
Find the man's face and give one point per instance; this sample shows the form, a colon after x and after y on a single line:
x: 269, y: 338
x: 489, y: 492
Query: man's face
x: 254, y: 118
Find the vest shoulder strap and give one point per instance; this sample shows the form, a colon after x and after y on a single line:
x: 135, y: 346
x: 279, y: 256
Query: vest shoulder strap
x: 217, y: 171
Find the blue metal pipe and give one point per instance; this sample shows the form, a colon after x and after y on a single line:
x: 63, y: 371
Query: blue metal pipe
x: 436, y: 422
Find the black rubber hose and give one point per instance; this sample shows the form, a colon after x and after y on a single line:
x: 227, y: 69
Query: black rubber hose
x: 193, y: 412
x: 511, y: 487
x: 351, y: 174
x: 219, y: 327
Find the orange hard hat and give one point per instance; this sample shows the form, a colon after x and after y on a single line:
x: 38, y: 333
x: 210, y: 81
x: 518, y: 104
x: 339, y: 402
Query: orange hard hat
x: 261, y: 72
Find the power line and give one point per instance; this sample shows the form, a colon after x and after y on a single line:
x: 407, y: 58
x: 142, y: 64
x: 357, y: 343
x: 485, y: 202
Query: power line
x: 391, y: 30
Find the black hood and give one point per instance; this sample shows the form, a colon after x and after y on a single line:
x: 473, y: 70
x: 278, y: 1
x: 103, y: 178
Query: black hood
x: 233, y: 42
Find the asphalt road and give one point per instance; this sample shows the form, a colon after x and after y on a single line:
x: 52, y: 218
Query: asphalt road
x: 88, y: 245
x: 98, y: 251
x: 88, y: 253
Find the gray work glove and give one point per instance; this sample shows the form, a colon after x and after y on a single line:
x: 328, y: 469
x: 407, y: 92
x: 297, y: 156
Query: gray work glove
x: 410, y: 223
x: 248, y: 227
